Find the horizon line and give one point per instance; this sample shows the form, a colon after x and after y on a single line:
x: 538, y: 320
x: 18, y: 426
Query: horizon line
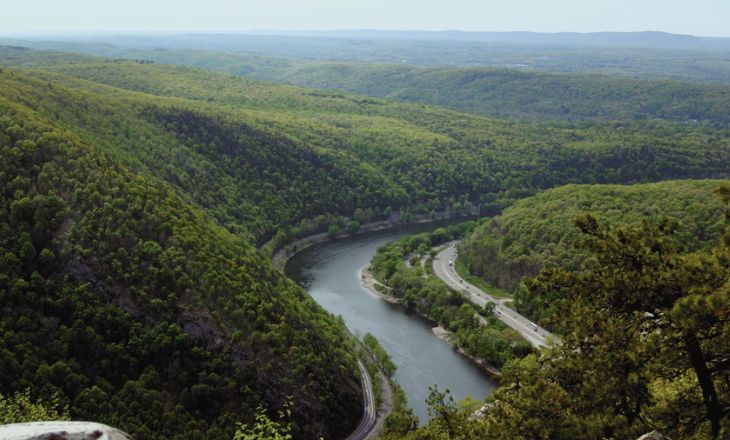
x: 338, y: 30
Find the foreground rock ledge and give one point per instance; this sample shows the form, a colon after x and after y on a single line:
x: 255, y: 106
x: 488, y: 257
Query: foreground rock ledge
x: 654, y: 435
x: 97, y: 431
x: 60, y: 431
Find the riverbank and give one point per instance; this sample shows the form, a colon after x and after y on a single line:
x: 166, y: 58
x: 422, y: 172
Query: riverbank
x: 445, y: 335
x: 285, y: 252
x: 369, y: 282
x: 331, y: 274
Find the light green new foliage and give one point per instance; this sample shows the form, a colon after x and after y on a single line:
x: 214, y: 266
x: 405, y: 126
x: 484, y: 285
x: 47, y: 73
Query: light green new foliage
x: 264, y: 428
x: 20, y: 407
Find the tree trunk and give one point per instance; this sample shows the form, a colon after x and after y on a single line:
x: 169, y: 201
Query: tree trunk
x: 709, y: 395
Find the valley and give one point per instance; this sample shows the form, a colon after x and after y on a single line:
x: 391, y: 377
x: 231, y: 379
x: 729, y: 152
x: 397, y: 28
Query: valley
x: 152, y: 187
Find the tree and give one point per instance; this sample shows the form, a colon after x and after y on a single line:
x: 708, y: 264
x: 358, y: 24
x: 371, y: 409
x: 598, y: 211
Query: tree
x: 263, y: 428
x: 679, y: 300
x: 449, y: 420
x: 644, y: 318
x: 20, y: 408
x: 381, y: 356
x: 353, y: 226
x: 334, y: 230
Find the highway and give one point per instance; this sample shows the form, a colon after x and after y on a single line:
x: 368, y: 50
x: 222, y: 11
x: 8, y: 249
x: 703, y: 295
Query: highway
x: 535, y: 335
x: 365, y: 429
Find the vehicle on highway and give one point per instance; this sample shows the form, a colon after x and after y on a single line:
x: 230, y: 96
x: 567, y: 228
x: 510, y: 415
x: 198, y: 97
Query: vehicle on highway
x: 533, y: 325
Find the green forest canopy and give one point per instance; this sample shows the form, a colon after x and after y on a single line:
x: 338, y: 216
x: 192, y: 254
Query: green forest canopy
x: 514, y: 93
x: 330, y: 153
x: 488, y: 91
x: 134, y: 308
x: 645, y: 331
x: 134, y: 194
x: 539, y: 232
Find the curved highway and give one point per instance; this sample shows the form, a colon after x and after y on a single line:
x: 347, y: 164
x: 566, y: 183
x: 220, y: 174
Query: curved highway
x: 534, y: 334
x: 365, y: 429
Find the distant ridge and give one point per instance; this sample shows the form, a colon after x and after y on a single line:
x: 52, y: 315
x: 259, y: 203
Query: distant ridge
x: 644, y: 39
x: 634, y: 40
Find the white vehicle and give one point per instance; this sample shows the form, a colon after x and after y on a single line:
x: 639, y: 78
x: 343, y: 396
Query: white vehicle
x: 451, y: 262
x: 533, y: 325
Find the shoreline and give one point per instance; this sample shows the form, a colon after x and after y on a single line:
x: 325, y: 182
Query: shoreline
x: 444, y: 335
x: 368, y: 281
x: 280, y: 256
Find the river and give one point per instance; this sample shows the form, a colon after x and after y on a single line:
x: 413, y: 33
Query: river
x: 330, y: 272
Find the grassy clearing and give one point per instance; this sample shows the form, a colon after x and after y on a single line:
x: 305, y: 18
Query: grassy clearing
x: 463, y: 272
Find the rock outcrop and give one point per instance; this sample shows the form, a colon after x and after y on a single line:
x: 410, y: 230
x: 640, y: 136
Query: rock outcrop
x: 654, y: 435
x: 60, y: 431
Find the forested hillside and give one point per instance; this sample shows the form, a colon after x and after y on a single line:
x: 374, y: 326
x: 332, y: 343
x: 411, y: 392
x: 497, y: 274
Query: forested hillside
x: 644, y: 329
x: 514, y: 93
x: 329, y: 153
x: 135, y: 309
x: 214, y: 158
x: 540, y: 231
x: 500, y: 92
x: 134, y: 195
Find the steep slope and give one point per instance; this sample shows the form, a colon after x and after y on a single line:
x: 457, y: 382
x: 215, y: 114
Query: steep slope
x: 540, y: 231
x: 138, y: 311
x: 133, y: 195
x: 644, y: 344
x: 250, y: 177
x: 378, y: 154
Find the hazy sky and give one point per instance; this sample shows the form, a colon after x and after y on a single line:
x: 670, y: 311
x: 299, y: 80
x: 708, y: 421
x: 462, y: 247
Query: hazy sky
x: 698, y: 17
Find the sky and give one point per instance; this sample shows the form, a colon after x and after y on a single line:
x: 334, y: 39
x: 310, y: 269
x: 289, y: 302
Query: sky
x: 696, y: 17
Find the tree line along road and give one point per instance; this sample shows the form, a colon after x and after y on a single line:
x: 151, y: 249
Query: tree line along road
x: 443, y: 268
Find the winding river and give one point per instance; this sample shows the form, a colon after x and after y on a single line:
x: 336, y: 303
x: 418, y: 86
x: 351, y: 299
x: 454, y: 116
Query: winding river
x: 330, y: 272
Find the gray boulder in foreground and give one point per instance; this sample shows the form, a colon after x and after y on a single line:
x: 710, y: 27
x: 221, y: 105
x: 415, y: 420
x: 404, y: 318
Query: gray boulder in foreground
x: 654, y: 435
x: 60, y: 431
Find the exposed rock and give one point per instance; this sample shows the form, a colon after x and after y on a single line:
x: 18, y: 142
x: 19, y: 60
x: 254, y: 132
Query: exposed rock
x: 441, y: 333
x: 481, y: 412
x: 80, y: 271
x: 60, y: 431
x: 654, y: 435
